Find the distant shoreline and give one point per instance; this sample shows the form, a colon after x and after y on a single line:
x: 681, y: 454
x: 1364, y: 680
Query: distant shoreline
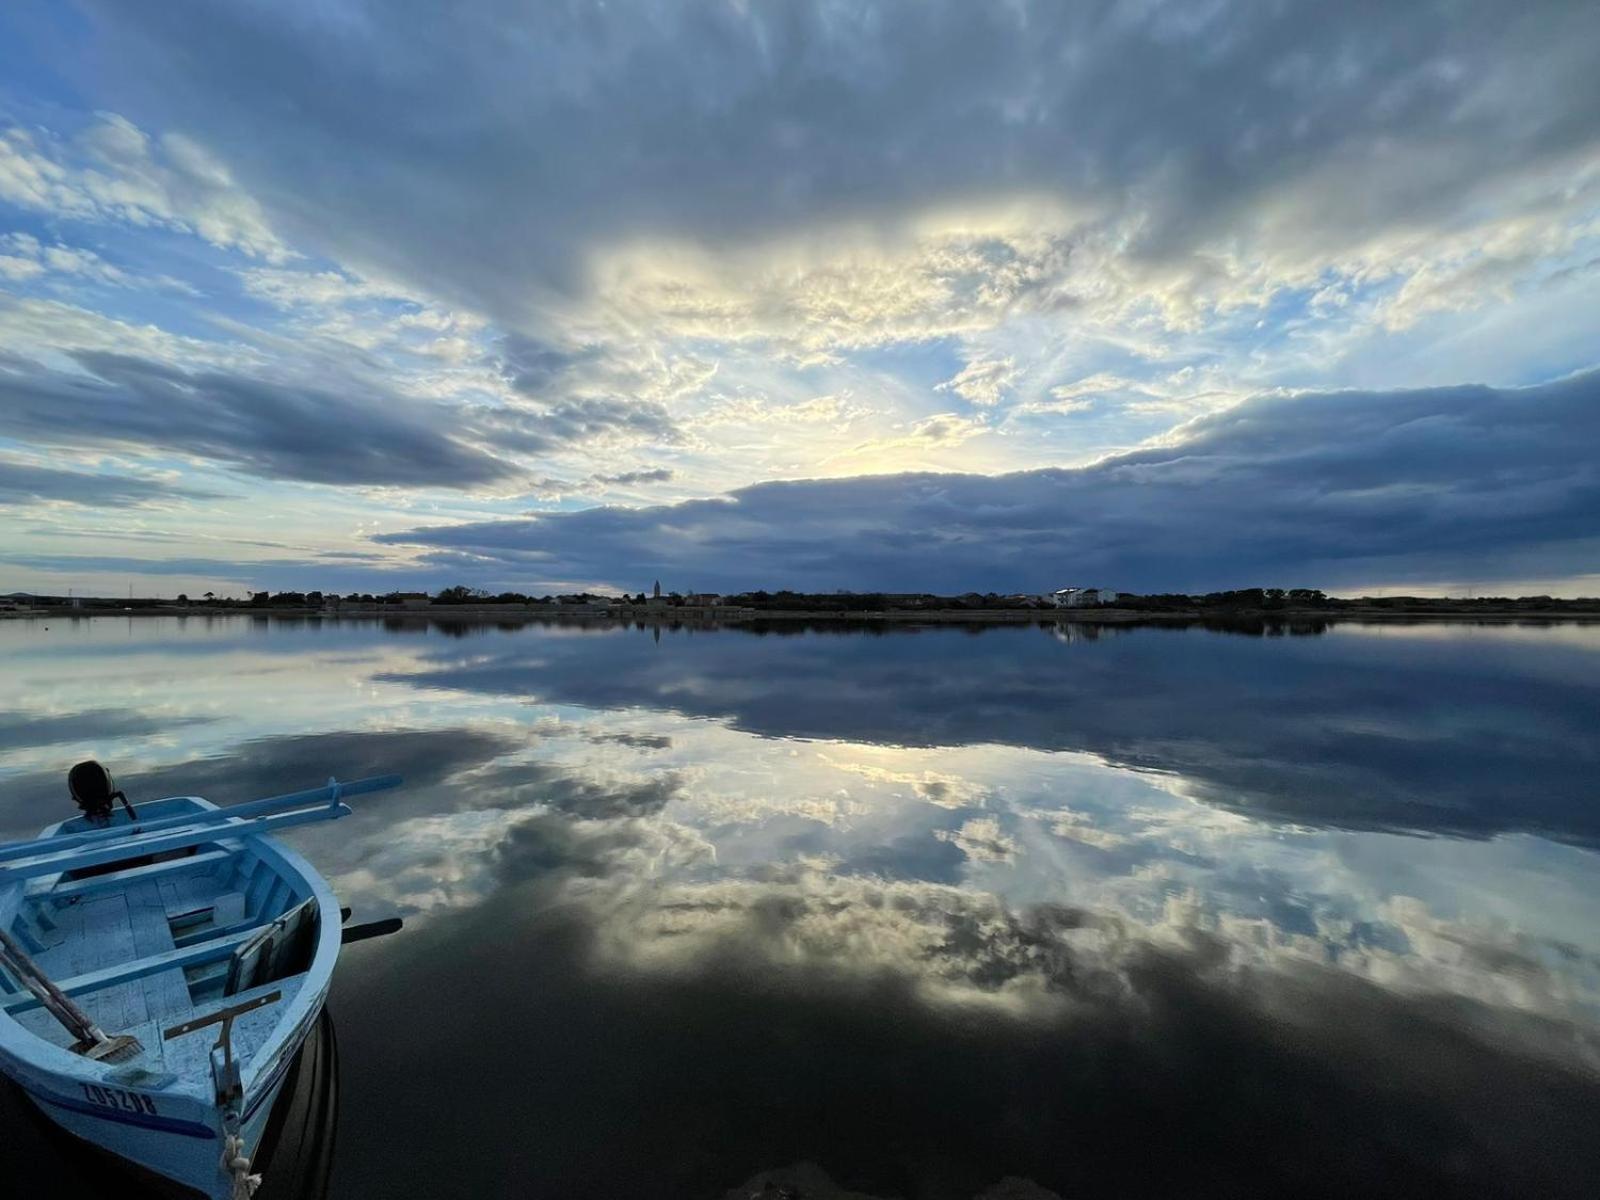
x: 634, y: 614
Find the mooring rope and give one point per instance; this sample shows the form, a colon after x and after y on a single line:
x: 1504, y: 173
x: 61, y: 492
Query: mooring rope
x: 236, y: 1164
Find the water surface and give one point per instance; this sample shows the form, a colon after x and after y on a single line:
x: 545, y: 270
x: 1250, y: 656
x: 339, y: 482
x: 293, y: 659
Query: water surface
x: 938, y: 912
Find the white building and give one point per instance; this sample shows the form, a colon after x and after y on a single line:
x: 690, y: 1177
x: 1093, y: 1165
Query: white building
x: 1079, y: 597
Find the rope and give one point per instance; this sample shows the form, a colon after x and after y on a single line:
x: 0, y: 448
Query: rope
x: 236, y: 1164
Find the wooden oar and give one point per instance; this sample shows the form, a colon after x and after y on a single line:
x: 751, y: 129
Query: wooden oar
x: 92, y: 1040
x: 331, y: 794
x: 98, y: 856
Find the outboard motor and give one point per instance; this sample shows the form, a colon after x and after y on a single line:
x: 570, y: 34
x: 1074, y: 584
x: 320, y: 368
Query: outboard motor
x: 94, y: 790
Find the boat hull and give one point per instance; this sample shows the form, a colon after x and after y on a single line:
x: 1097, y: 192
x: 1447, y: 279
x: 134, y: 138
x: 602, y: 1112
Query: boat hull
x: 173, y: 1136
x: 295, y: 1150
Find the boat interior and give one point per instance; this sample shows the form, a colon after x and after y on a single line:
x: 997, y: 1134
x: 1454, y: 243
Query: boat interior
x: 145, y: 944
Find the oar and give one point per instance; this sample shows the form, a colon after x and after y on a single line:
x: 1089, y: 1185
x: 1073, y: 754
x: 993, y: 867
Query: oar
x: 93, y: 1043
x: 372, y: 929
x: 131, y: 833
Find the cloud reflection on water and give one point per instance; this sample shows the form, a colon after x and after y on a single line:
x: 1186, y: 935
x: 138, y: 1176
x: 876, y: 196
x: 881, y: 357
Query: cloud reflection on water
x: 923, y: 1040
x: 1345, y: 732
x: 663, y: 918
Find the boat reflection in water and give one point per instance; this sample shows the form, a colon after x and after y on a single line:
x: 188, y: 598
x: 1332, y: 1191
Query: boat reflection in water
x: 295, y: 1155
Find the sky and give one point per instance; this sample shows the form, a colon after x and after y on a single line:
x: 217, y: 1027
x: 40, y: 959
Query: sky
x: 906, y: 296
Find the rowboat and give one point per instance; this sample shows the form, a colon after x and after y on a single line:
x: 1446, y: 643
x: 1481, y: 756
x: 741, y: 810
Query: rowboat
x: 160, y: 969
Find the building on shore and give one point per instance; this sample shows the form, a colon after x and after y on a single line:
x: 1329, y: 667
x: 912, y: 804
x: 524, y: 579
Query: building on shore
x: 413, y: 599
x: 1081, y: 597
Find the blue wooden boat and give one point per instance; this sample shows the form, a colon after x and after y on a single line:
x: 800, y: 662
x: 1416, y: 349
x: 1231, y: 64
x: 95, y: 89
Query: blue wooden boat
x: 160, y: 969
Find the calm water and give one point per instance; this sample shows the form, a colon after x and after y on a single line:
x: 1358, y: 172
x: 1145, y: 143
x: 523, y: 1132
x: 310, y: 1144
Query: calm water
x: 929, y: 913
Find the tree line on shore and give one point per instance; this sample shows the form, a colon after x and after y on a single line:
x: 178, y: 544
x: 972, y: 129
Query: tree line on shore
x: 1235, y: 600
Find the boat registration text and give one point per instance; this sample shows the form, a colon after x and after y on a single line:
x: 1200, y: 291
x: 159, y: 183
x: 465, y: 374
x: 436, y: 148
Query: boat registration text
x: 119, y: 1100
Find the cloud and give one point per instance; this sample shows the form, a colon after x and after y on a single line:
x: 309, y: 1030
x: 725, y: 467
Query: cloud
x: 1314, y: 734
x: 764, y: 1007
x: 1316, y: 489
x: 654, y: 475
x: 24, y: 258
x: 262, y: 427
x: 43, y: 330
x: 582, y: 419
x: 981, y: 840
x: 638, y: 741
x: 1277, y: 141
x: 1082, y: 395
x: 380, y: 319
x: 940, y: 430
x: 275, y: 574
x: 291, y: 289
x: 761, y: 245
x: 339, y: 401
x: 21, y: 730
x: 114, y: 172
x: 524, y: 784
x: 28, y: 483
x: 813, y: 296
x: 982, y: 381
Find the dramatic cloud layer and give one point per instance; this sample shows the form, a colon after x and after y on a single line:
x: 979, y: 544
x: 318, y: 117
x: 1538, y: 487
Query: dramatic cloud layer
x: 1286, y: 490
x: 28, y: 483
x: 370, y: 266
x: 263, y: 428
x: 1312, y: 129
